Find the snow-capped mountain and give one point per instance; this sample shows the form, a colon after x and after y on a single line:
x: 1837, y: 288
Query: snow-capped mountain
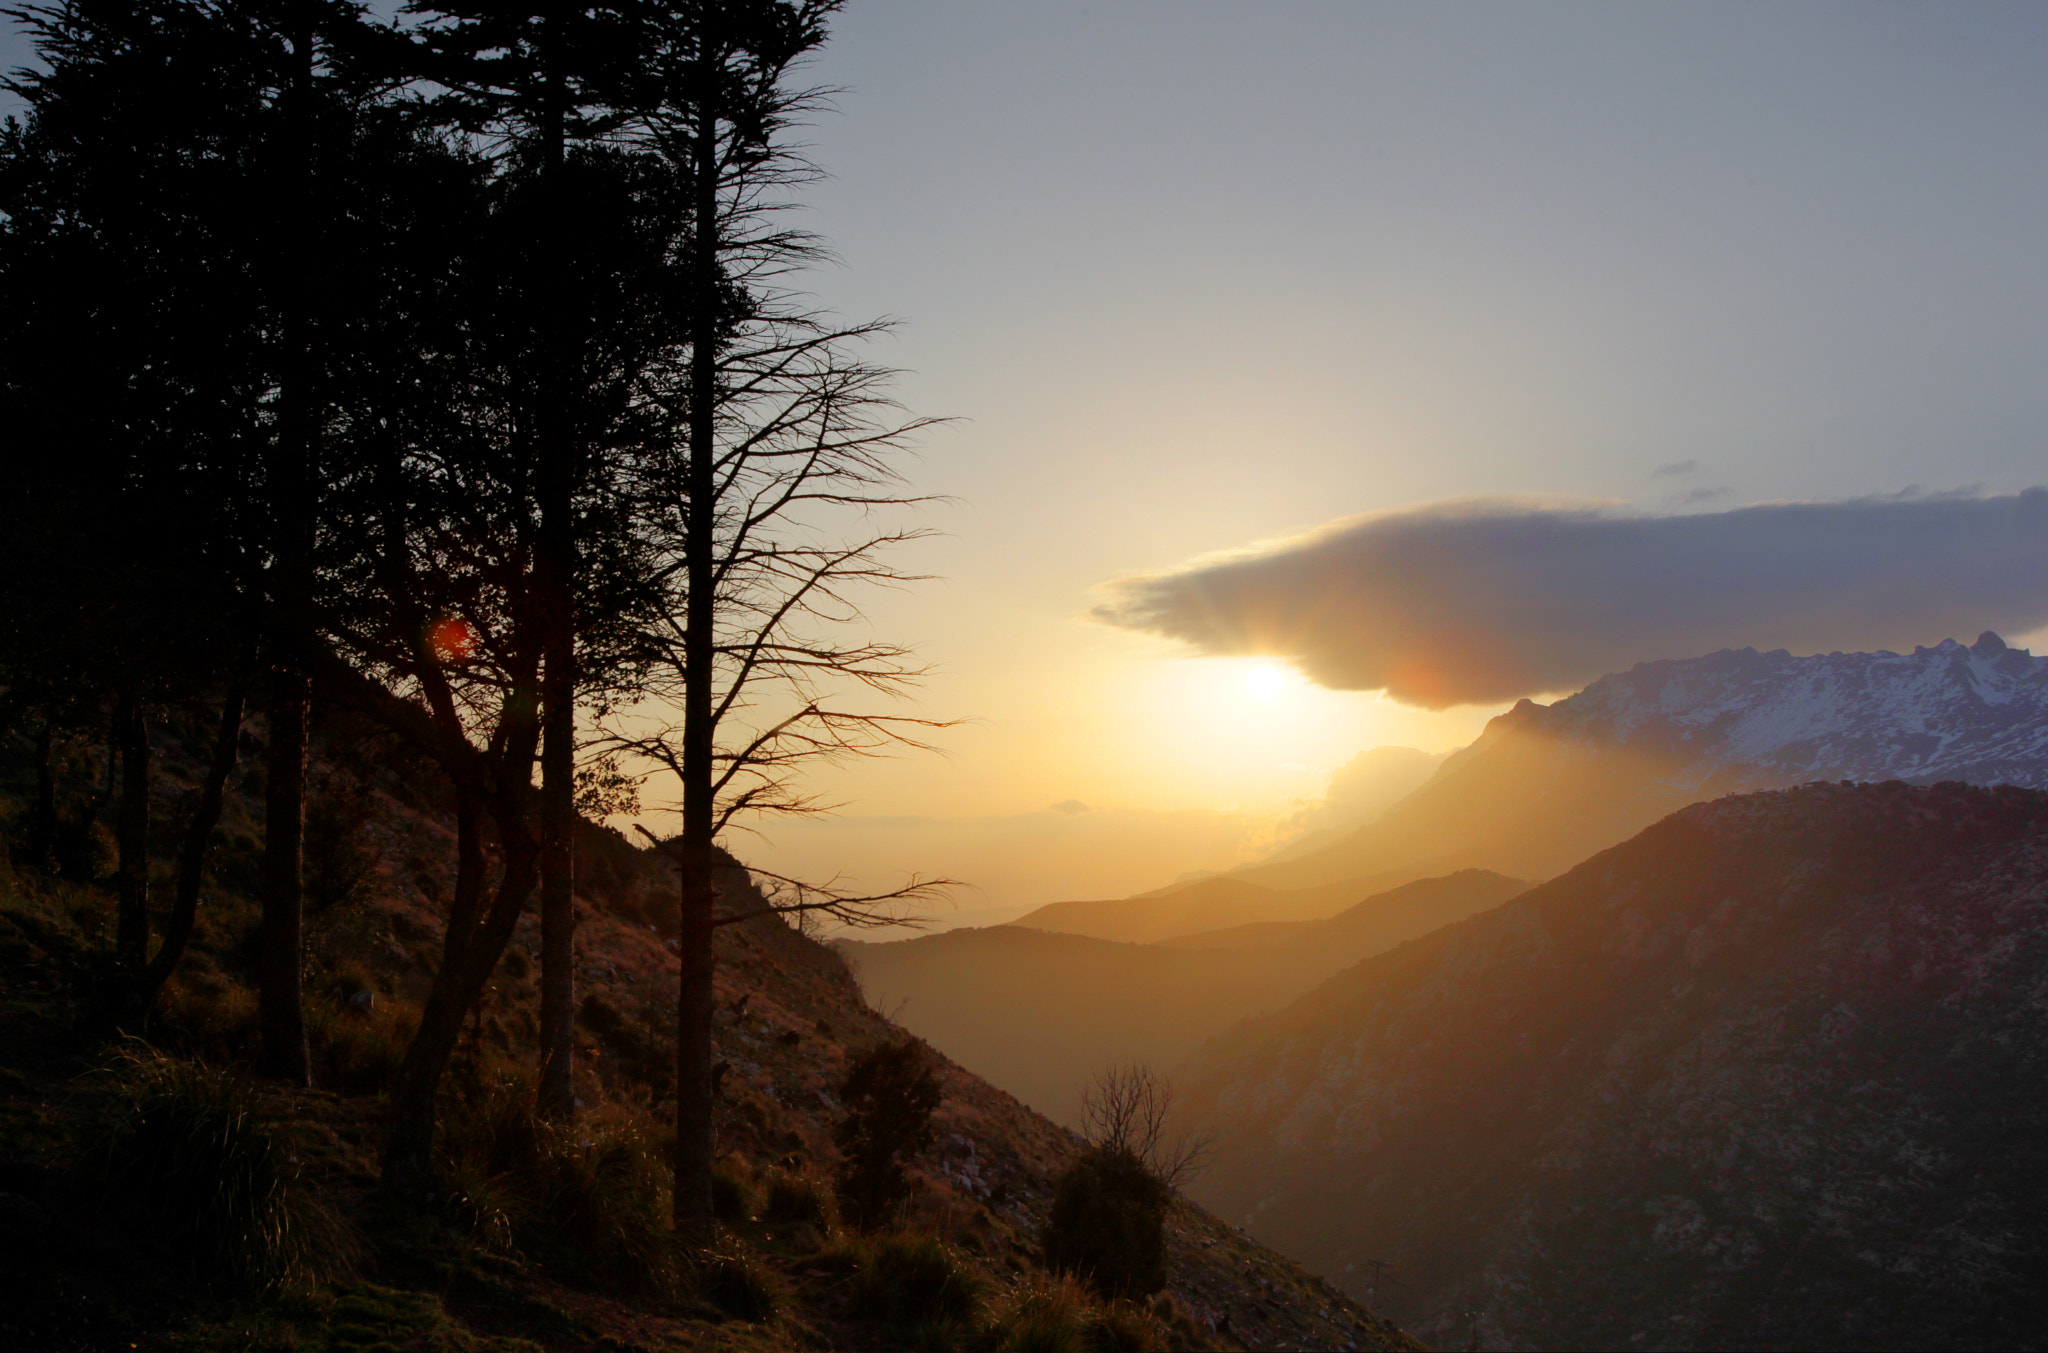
x: 1976, y: 713
x: 1546, y: 786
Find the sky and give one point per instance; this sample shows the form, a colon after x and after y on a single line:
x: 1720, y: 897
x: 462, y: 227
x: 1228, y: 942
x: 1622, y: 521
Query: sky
x: 1202, y: 278
x: 1216, y: 290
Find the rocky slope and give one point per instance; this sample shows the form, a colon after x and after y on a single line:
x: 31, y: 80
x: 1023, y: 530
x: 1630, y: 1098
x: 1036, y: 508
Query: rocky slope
x: 1773, y: 1073
x: 791, y: 1016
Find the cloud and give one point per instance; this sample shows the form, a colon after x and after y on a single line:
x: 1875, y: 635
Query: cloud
x: 1486, y: 600
x: 1676, y: 467
x: 1070, y: 807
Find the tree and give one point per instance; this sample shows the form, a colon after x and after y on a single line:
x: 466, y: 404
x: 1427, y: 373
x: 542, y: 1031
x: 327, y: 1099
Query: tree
x: 554, y: 83
x: 890, y: 1093
x: 440, y: 627
x: 1107, y: 1224
x: 780, y: 434
x: 139, y: 340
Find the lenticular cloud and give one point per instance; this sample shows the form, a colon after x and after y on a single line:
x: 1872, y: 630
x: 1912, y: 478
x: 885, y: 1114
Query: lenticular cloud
x: 1488, y: 600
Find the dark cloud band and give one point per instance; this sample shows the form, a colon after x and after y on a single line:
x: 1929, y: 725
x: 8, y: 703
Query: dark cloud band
x: 1494, y: 599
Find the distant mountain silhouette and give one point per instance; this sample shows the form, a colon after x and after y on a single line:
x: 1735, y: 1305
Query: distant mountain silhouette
x: 1193, y: 908
x: 1038, y: 1013
x: 1773, y: 1073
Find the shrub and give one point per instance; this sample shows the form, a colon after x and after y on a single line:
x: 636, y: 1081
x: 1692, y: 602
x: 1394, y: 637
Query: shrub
x: 890, y: 1092
x: 737, y: 1284
x: 795, y: 1198
x: 188, y: 1160
x: 1043, y: 1316
x: 1107, y: 1225
x: 912, y: 1278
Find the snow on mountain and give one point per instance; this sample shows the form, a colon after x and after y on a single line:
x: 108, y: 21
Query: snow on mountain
x: 1547, y: 785
x: 1977, y: 713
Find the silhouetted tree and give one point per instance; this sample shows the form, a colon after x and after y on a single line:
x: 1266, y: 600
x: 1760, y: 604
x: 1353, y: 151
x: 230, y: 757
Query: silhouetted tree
x: 890, y: 1093
x: 1107, y: 1224
x: 778, y: 430
x: 133, y: 340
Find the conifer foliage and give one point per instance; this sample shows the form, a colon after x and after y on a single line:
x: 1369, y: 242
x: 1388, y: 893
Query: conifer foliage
x: 446, y: 370
x: 890, y: 1093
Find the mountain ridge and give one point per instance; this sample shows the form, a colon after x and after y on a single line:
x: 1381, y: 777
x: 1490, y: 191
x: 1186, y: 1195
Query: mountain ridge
x: 1545, y: 786
x: 1039, y: 1012
x: 1767, y: 1074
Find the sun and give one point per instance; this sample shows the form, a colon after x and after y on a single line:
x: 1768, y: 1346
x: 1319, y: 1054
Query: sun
x: 1264, y: 681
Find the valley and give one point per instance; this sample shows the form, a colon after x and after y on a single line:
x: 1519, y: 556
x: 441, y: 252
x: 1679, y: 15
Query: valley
x: 1737, y: 1073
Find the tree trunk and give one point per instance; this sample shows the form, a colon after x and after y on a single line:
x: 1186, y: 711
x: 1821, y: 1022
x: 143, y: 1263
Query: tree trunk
x: 694, y: 1144
x: 280, y: 1005
x: 280, y: 1008
x: 469, y: 953
x: 696, y: 1050
x: 131, y: 930
x: 556, y: 1096
x: 192, y: 857
x: 42, y: 837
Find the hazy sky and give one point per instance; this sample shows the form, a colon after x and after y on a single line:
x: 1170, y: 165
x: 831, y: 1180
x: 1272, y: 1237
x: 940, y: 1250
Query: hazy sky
x: 1199, y: 275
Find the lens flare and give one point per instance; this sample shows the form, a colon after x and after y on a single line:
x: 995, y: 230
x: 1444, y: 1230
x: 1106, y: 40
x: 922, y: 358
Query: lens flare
x: 452, y: 639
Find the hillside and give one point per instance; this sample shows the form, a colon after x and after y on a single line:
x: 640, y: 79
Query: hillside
x: 1773, y: 1073
x: 1040, y: 1013
x: 74, y: 1276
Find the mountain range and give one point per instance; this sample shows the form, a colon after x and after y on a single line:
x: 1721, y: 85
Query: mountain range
x: 1039, y: 1013
x: 1773, y: 1073
x: 1545, y: 786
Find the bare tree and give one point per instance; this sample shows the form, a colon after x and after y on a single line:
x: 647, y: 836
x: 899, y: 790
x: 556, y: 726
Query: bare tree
x: 762, y: 516
x: 1127, y: 1110
x: 1107, y: 1223
x: 779, y: 676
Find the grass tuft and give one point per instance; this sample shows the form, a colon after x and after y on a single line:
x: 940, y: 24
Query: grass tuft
x: 796, y: 1198
x: 913, y: 1278
x: 731, y: 1200
x: 188, y: 1159
x: 589, y: 1201
x: 1044, y: 1315
x: 738, y: 1284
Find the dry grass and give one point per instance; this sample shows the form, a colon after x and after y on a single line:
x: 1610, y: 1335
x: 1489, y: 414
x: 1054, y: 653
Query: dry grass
x: 185, y: 1156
